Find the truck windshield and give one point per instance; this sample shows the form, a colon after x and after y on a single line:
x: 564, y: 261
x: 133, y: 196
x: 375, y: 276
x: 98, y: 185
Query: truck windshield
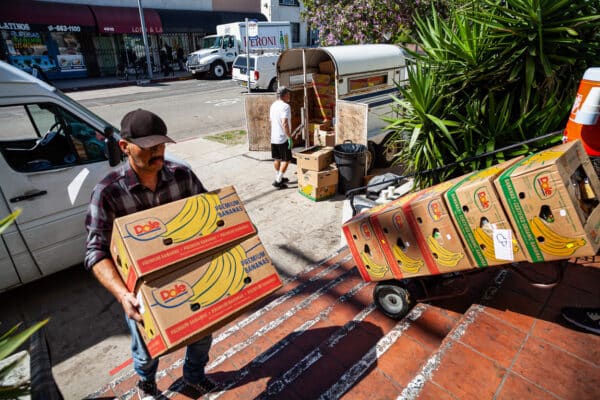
x: 212, y: 42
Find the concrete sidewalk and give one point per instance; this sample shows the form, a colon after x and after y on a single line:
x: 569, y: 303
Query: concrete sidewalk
x: 296, y: 231
x: 73, y: 85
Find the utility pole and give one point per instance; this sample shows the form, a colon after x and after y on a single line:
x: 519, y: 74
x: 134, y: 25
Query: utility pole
x: 145, y: 36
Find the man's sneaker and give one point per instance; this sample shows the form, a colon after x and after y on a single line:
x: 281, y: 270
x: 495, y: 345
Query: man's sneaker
x: 203, y: 387
x: 279, y: 185
x: 586, y: 318
x: 284, y: 180
x: 147, y: 390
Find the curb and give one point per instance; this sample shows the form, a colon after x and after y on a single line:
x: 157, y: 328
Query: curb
x: 125, y: 83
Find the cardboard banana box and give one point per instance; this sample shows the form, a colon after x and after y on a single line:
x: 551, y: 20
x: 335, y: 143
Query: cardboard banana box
x: 151, y: 240
x: 366, y: 247
x: 194, y: 300
x: 399, y: 242
x: 551, y: 198
x: 435, y: 232
x: 478, y: 214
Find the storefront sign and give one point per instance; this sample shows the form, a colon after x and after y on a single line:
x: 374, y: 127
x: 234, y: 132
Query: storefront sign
x: 14, y: 26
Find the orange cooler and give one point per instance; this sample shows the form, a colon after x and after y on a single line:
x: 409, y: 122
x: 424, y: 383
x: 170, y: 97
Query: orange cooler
x: 584, y: 121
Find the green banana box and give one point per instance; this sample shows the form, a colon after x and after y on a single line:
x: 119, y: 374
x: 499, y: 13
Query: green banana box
x: 479, y: 216
x: 149, y: 241
x: 434, y: 230
x: 366, y: 248
x: 196, y: 299
x: 551, y: 198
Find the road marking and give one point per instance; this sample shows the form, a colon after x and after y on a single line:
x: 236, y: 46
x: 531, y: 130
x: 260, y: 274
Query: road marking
x: 223, y: 102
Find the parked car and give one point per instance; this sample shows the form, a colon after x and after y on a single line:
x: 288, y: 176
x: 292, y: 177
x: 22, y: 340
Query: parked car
x: 263, y: 71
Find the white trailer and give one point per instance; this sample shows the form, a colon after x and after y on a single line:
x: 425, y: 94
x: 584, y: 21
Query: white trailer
x: 363, y: 79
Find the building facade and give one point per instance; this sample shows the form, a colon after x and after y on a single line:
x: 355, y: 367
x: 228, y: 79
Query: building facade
x: 79, y: 38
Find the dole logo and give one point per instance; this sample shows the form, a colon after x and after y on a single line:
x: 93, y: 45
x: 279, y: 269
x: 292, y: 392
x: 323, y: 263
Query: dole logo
x: 145, y: 229
x: 483, y: 199
x: 398, y: 221
x: 173, y: 295
x: 544, y: 186
x: 435, y: 210
x: 366, y: 231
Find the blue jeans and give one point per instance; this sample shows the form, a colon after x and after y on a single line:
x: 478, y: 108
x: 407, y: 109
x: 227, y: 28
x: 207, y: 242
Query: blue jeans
x: 196, y: 357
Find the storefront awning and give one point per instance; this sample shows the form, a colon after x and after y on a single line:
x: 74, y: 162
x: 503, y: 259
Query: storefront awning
x: 205, y: 22
x: 125, y: 20
x: 33, y: 15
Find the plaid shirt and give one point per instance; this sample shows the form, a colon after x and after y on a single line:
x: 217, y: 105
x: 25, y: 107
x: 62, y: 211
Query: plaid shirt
x: 121, y: 193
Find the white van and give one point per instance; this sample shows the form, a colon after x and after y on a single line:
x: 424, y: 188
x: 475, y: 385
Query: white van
x: 53, y: 151
x: 263, y: 71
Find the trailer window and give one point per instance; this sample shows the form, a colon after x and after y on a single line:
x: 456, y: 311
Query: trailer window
x: 365, y: 82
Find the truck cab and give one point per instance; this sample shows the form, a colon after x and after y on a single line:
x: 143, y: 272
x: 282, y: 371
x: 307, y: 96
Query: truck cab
x: 53, y: 151
x: 215, y: 57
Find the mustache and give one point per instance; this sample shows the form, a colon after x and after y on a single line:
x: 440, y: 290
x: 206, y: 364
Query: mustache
x: 156, y: 158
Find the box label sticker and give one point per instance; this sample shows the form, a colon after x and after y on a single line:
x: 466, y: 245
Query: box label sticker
x: 503, y: 244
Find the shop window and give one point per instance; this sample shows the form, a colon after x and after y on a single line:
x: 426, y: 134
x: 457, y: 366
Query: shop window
x: 44, y: 136
x: 365, y: 82
x: 293, y: 3
x: 27, y: 49
x: 69, y: 55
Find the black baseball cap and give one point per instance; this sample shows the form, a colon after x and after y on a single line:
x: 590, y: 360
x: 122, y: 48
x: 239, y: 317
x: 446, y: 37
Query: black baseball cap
x: 144, y: 129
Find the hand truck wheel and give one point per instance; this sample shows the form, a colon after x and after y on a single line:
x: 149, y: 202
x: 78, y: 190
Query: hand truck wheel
x: 393, y: 298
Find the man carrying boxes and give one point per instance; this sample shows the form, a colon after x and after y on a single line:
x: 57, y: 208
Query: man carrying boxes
x: 145, y: 180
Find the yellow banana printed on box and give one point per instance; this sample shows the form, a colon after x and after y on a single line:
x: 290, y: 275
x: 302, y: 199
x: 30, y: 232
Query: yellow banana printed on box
x: 551, y: 242
x: 443, y: 256
x: 375, y: 270
x: 406, y: 263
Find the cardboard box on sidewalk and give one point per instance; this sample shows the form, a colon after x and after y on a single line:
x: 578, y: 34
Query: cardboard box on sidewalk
x: 318, y: 185
x: 196, y: 299
x: 163, y: 236
x: 315, y: 158
x: 551, y: 198
x: 478, y: 214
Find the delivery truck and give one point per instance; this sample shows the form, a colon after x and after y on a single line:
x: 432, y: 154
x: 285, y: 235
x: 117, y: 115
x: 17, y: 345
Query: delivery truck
x: 218, y: 52
x: 346, y: 90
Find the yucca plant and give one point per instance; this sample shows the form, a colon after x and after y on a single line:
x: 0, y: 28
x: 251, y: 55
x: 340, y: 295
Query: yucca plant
x: 495, y: 73
x: 12, y: 340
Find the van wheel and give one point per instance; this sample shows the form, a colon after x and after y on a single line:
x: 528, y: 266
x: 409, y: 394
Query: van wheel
x: 273, y: 85
x: 217, y: 70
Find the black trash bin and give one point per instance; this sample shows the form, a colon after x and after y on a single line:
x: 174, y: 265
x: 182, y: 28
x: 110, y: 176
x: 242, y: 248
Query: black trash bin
x: 351, y: 160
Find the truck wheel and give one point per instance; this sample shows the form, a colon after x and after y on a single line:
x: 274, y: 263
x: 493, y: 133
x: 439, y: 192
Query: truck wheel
x: 273, y: 85
x: 217, y: 70
x: 392, y: 298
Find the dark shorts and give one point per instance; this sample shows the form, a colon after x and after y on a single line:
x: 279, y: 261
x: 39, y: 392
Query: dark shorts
x: 281, y: 152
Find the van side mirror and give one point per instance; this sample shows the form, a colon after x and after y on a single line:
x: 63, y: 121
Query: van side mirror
x: 111, y: 147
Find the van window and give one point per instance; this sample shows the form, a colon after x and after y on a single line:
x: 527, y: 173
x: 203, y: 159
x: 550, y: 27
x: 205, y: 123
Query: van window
x: 38, y: 137
x: 364, y: 82
x: 241, y: 62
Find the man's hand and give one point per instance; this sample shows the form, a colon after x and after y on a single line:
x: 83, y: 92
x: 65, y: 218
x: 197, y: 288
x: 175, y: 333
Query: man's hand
x: 290, y: 143
x: 130, y: 305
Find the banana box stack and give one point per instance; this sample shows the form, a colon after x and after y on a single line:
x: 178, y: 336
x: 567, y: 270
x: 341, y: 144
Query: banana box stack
x: 435, y: 232
x: 199, y: 298
x: 551, y: 198
x: 152, y: 240
x: 366, y: 247
x: 383, y: 244
x: 317, y: 174
x: 479, y: 216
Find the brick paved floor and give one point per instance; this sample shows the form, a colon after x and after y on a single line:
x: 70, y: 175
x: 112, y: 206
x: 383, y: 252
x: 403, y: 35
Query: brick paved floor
x: 320, y: 336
